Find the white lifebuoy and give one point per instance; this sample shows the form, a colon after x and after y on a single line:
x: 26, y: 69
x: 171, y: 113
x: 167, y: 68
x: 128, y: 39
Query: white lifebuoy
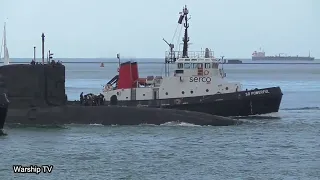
x: 206, y: 72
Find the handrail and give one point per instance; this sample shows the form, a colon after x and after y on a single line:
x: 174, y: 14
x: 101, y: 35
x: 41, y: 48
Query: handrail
x: 191, y: 54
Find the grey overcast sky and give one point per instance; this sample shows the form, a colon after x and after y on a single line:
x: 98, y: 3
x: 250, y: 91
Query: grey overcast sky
x: 135, y: 28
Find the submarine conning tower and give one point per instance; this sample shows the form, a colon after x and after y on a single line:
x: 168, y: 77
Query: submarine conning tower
x: 35, y: 84
x: 38, y: 85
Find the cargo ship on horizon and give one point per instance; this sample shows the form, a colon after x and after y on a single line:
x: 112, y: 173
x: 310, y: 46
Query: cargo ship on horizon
x: 261, y: 56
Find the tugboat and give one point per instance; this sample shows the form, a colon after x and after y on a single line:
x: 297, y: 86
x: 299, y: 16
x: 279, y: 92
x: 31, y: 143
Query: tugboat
x: 198, y: 83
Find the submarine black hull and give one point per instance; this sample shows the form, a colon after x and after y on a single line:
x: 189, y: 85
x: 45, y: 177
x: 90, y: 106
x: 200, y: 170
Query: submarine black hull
x: 242, y: 103
x: 111, y: 115
x: 3, y: 116
x: 4, y: 104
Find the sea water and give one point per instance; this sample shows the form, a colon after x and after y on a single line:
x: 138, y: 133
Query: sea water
x: 283, y: 145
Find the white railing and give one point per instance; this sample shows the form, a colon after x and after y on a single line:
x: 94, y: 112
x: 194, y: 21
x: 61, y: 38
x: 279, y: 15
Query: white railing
x: 191, y: 54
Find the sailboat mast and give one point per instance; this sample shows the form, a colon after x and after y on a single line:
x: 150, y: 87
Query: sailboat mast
x: 1, y: 47
x: 4, y: 36
x: 5, y: 48
x: 3, y: 42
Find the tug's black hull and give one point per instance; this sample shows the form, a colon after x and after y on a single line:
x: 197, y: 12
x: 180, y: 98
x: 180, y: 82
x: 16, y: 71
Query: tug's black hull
x: 243, y: 103
x: 237, y: 104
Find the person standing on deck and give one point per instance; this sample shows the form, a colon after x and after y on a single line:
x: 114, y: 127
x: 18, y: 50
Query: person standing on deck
x: 81, y: 98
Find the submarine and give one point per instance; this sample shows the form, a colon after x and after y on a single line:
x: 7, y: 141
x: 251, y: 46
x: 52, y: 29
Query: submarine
x: 4, y: 103
x: 38, y: 97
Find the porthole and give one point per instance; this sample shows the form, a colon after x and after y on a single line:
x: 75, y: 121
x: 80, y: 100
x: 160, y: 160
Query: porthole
x: 191, y: 92
x: 182, y: 92
x: 166, y: 93
x: 143, y: 94
x: 227, y: 88
x: 207, y: 90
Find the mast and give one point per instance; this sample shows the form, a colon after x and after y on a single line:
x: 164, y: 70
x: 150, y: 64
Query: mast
x: 34, y: 54
x: 42, y: 38
x: 172, y: 55
x: 185, y: 39
x: 5, y: 48
x: 4, y: 38
x: 2, y: 47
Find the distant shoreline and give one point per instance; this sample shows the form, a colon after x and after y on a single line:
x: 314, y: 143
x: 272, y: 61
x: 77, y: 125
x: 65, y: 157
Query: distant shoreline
x: 129, y: 58
x: 146, y: 62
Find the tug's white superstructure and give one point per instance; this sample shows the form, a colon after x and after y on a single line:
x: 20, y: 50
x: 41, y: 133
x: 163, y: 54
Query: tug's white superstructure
x: 195, y: 74
x: 197, y: 83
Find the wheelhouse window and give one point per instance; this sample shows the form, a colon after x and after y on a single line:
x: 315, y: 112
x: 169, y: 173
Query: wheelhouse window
x: 196, y: 65
x: 179, y: 71
x: 207, y: 65
x: 215, y: 65
x: 180, y: 65
x: 187, y: 65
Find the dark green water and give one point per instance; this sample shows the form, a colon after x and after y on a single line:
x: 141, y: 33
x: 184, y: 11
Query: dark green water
x: 260, y: 149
